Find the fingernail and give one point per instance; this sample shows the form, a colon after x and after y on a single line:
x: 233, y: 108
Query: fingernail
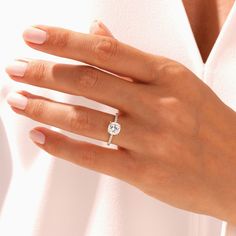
x: 17, y: 100
x: 17, y: 68
x: 94, y: 27
x: 35, y: 35
x: 37, y: 136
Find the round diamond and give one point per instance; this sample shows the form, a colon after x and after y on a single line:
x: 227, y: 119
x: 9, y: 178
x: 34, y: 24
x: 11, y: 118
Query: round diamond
x: 114, y: 128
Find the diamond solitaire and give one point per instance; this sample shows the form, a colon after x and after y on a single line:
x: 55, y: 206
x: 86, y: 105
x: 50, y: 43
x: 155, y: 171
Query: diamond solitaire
x: 113, y: 129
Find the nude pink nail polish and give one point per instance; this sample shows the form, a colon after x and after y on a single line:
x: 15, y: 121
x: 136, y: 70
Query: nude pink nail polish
x: 17, y: 100
x: 37, y: 136
x: 35, y: 35
x: 94, y: 27
x: 17, y: 68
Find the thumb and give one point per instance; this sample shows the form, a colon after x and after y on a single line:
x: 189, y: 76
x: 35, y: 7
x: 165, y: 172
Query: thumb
x: 98, y: 28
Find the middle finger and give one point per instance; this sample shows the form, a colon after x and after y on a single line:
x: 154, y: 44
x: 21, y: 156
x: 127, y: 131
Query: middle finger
x: 76, y: 119
x: 84, y: 81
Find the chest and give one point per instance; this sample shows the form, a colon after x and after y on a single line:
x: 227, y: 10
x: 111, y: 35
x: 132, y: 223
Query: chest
x: 206, y: 19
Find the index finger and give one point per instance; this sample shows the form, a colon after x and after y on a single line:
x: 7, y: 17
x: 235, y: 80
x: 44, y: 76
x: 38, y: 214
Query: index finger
x: 101, y: 51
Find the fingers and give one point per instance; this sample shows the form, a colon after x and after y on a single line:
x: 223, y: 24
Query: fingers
x: 101, y: 51
x: 76, y: 119
x: 117, y: 163
x: 84, y: 81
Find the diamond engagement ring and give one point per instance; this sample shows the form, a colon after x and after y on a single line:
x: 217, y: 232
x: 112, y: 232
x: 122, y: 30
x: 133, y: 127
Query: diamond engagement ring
x: 113, y: 129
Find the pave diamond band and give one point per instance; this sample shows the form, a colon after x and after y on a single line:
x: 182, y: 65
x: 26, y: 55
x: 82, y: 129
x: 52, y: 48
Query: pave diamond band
x: 113, y: 128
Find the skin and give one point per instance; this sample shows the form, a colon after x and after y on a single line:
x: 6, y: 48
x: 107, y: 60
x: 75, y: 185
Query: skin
x: 178, y: 139
x: 207, y: 33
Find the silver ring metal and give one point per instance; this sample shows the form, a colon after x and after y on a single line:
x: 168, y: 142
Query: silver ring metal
x: 113, y: 128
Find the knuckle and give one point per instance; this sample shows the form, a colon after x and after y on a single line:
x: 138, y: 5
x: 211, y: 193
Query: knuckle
x: 57, y: 145
x: 105, y: 48
x: 53, y: 148
x: 164, y: 68
x: 88, y: 79
x: 78, y: 120
x: 39, y: 71
x: 171, y: 69
x: 37, y: 109
x: 60, y: 39
x: 154, y: 67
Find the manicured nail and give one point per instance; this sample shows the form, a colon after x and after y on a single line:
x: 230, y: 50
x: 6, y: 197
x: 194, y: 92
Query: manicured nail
x: 94, y: 27
x: 17, y: 68
x: 99, y: 28
x: 35, y: 35
x: 37, y: 136
x: 17, y: 100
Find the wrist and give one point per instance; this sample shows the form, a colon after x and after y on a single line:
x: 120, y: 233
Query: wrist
x: 221, y: 150
x: 228, y: 189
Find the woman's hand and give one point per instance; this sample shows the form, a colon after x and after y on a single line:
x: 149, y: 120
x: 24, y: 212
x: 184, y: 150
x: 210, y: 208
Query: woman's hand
x: 177, y: 141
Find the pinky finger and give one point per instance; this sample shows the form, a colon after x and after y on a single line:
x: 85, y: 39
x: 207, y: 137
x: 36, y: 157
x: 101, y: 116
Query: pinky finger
x: 116, y: 163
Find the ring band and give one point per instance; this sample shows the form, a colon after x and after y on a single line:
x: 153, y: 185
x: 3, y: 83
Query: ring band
x: 113, y: 128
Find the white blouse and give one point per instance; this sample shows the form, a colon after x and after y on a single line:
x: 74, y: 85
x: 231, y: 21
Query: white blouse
x: 41, y: 195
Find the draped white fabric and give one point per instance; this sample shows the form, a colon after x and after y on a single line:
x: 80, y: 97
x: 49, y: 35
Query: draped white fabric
x: 41, y: 195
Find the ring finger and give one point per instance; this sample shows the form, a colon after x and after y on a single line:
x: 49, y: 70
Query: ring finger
x: 76, y: 119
